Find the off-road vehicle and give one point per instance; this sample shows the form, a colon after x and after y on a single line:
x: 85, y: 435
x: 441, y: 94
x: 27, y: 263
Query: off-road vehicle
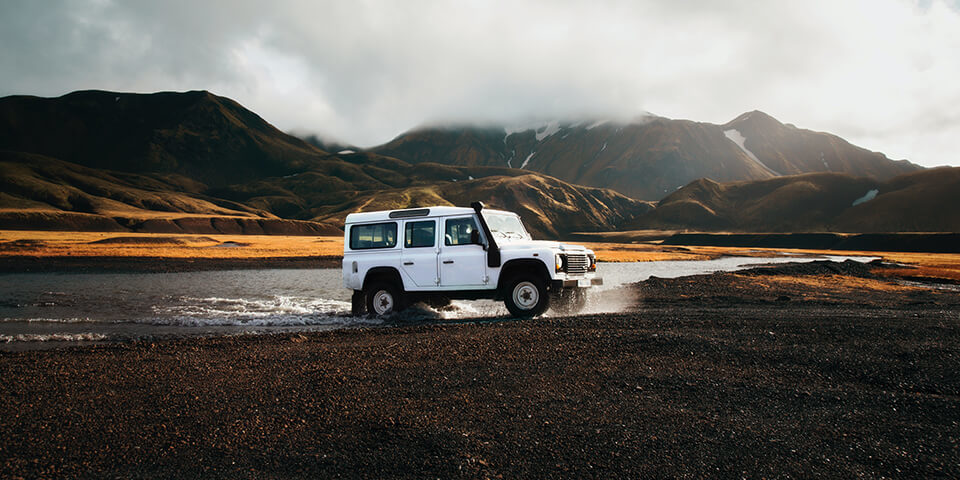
x: 392, y: 259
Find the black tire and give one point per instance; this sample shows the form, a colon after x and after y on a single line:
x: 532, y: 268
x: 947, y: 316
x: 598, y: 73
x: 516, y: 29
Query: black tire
x: 526, y: 296
x: 358, y: 303
x: 569, y: 301
x: 383, y: 299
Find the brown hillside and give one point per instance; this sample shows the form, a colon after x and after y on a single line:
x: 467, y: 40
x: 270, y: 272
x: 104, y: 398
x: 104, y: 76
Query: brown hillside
x: 916, y: 202
x: 923, y: 201
x: 199, y: 135
x: 32, y: 181
x: 41, y: 193
x: 649, y: 157
x: 792, y: 151
x: 549, y: 208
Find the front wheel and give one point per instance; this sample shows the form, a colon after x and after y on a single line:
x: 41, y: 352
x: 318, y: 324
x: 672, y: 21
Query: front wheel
x: 383, y: 299
x: 526, y: 297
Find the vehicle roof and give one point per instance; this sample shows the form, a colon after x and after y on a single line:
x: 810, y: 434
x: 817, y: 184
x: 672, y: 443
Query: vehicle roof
x: 439, y: 211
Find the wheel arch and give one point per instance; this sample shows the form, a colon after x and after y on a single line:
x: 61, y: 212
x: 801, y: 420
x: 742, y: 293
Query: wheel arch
x: 523, y: 265
x: 383, y: 274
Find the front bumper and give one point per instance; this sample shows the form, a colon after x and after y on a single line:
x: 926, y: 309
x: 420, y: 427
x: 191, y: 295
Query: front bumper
x: 574, y: 283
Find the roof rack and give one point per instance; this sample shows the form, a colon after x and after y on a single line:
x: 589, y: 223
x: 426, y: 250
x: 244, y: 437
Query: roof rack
x: 418, y: 212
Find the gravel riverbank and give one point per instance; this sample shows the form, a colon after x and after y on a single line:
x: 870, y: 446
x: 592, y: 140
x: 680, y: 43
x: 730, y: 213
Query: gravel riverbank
x: 705, y: 384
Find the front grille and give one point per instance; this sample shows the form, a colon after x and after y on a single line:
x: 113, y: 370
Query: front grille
x: 577, y: 264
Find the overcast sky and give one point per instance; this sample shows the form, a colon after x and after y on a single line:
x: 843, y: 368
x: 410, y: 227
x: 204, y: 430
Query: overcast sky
x: 884, y: 74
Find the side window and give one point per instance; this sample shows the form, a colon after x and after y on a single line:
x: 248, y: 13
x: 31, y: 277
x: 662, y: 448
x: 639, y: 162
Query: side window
x: 376, y: 235
x: 420, y: 234
x: 459, y: 231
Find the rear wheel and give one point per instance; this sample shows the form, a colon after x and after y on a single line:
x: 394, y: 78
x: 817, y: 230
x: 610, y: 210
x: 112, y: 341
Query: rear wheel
x: 384, y: 299
x: 526, y: 296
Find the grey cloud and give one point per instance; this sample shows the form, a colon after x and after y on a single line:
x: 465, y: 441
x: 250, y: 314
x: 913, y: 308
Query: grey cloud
x: 364, y: 71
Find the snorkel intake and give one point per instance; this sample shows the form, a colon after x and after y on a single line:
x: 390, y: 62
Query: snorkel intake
x: 493, y: 251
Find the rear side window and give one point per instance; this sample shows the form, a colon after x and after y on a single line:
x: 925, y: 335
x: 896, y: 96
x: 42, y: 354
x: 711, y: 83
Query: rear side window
x: 376, y: 235
x: 419, y: 234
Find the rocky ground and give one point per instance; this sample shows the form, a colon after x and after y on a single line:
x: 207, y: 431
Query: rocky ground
x: 772, y: 373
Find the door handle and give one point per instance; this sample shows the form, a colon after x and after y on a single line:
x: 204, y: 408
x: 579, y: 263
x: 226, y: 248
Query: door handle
x: 408, y: 263
x: 448, y: 261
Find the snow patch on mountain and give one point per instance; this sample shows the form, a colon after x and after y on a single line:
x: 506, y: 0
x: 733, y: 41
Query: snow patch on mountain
x: 525, y: 162
x: 507, y: 131
x: 540, y: 130
x: 596, y: 124
x: 736, y: 137
x: 870, y: 195
x: 547, y: 130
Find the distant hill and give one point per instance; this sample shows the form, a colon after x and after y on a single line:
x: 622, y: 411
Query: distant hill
x: 549, y: 207
x: 38, y: 192
x: 196, y: 162
x: 825, y: 202
x: 209, y: 139
x: 649, y: 157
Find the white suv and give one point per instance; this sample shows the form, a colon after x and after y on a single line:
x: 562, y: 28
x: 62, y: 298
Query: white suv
x: 394, y: 258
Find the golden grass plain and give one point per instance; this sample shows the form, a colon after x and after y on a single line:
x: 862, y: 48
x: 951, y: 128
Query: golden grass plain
x: 85, y: 244
x: 19, y: 243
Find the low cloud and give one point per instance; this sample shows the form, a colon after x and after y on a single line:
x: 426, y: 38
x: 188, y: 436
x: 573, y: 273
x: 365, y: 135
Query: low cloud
x: 881, y: 73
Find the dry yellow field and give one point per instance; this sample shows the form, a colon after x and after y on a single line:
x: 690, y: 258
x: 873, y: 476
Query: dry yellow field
x: 113, y: 244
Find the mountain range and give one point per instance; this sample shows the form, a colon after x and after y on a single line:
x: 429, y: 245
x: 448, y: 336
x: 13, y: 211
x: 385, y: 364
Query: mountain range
x: 197, y: 162
x: 201, y: 163
x: 650, y: 157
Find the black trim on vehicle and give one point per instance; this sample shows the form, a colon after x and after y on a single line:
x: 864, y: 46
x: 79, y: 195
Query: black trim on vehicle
x: 493, y: 251
x: 418, y: 212
x: 415, y: 234
x: 383, y: 274
x: 555, y: 284
x: 384, y: 241
x: 523, y: 266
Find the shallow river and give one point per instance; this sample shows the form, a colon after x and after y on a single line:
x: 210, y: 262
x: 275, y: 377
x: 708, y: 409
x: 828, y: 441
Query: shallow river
x: 39, y: 310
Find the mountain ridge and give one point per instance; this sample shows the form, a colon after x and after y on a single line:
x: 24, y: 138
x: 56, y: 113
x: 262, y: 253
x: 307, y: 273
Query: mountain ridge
x: 179, y: 161
x: 816, y: 202
x: 646, y: 157
x: 197, y: 162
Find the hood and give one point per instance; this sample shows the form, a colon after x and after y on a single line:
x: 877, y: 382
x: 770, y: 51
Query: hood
x: 546, y: 244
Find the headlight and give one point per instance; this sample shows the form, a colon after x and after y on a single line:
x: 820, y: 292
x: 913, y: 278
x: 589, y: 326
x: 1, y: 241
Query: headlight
x: 559, y: 259
x: 593, y: 263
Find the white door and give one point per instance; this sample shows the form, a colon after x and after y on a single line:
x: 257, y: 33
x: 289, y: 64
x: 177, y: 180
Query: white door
x: 419, y: 257
x: 463, y: 263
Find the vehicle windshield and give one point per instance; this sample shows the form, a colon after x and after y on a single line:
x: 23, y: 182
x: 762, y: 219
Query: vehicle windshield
x: 505, y: 226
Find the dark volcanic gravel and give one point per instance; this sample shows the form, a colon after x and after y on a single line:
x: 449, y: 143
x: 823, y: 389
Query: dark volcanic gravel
x: 818, y: 267
x: 707, y: 385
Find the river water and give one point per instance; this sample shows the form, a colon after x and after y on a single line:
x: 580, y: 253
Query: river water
x: 40, y: 310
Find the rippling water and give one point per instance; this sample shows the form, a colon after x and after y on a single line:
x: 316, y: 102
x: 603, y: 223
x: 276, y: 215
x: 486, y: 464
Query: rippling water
x: 54, y: 308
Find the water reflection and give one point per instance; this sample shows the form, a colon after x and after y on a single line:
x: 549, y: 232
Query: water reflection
x: 83, y: 307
